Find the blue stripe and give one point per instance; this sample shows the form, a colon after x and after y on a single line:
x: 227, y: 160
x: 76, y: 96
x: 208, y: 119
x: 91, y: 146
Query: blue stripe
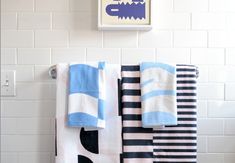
x: 80, y: 119
x: 101, y: 109
x: 158, y: 93
x: 101, y: 65
x: 151, y: 119
x: 146, y: 82
x: 148, y: 65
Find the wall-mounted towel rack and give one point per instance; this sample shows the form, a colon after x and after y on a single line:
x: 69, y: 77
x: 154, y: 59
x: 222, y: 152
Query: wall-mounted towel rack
x: 53, y: 74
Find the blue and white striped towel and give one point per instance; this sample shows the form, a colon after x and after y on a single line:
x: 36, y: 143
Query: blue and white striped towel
x: 158, y: 94
x: 86, y: 95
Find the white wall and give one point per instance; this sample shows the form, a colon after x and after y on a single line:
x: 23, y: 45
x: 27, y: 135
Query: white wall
x: 39, y: 33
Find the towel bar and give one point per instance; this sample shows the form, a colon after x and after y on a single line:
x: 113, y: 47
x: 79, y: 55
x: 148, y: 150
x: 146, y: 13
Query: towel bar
x: 53, y: 74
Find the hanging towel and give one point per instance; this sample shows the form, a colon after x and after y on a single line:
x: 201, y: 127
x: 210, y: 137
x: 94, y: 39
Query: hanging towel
x: 178, y: 143
x: 137, y: 141
x: 75, y: 145
x: 86, y: 95
x: 158, y: 94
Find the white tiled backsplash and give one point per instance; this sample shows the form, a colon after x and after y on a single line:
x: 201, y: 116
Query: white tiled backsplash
x: 40, y: 33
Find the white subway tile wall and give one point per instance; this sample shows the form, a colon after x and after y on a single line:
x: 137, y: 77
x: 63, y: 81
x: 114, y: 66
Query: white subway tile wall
x: 39, y: 33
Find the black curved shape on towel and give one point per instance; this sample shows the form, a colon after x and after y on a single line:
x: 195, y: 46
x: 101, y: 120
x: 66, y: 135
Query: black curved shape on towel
x: 89, y: 140
x: 84, y: 159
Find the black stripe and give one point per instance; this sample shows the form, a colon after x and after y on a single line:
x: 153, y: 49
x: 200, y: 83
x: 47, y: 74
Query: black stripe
x: 187, y: 113
x: 184, y: 125
x: 186, y: 88
x: 132, y: 117
x: 186, y: 82
x: 131, y: 92
x: 186, y: 94
x: 186, y: 106
x: 175, y: 138
x: 175, y: 150
x: 186, y: 100
x: 187, y: 119
x: 175, y: 131
x: 175, y: 144
x: 137, y: 142
x: 186, y: 69
x: 137, y: 154
x: 131, y: 104
x: 130, y: 68
x: 186, y: 76
x: 131, y: 80
x: 136, y: 130
x: 176, y: 156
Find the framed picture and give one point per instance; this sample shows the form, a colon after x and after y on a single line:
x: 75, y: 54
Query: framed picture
x: 124, y: 15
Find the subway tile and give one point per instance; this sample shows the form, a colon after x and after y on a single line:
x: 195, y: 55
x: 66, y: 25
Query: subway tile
x: 229, y: 126
x: 211, y: 91
x: 207, y: 53
x: 163, y: 5
x: 109, y: 55
x: 221, y: 109
x: 28, y: 109
x: 8, y: 56
x: 17, y: 39
x: 17, y: 5
x: 222, y: 38
x: 85, y: 38
x: 62, y: 55
x: 155, y: 39
x: 202, y: 144
x: 26, y: 126
x: 229, y: 91
x: 221, y: 5
x: 34, y: 157
x: 26, y: 143
x: 87, y: 6
x: 190, y: 39
x: 33, y: 91
x: 171, y: 20
x: 191, y: 5
x: 173, y: 55
x: 229, y: 157
x: 135, y: 56
x: 230, y: 24
x: 33, y: 56
x: 9, y: 157
x: 208, y: 21
x: 41, y: 73
x: 120, y: 39
x: 73, y: 21
x: 221, y: 74
x: 210, y: 157
x: 203, y: 73
x: 202, y: 108
x: 48, y: 38
x: 23, y: 73
x: 230, y: 56
x: 34, y: 20
x: 210, y: 126
x: 221, y: 144
x: 51, y: 5
x: 9, y: 20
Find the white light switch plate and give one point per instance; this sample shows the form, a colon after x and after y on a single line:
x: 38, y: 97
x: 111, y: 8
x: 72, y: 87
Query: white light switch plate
x: 8, y: 87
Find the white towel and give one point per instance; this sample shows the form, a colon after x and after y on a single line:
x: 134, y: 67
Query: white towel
x: 87, y: 95
x: 74, y: 145
x: 158, y: 94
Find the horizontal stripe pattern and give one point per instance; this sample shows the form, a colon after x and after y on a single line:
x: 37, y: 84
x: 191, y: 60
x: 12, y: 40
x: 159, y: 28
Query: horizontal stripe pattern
x: 178, y: 143
x: 137, y: 141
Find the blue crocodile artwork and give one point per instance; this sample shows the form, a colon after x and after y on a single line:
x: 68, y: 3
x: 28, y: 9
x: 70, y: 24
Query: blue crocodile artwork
x: 135, y: 9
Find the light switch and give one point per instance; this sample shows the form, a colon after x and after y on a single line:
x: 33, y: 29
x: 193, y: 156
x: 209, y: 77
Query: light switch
x: 8, y: 83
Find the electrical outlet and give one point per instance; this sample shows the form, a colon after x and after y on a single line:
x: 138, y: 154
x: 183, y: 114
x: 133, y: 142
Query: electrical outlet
x: 8, y: 87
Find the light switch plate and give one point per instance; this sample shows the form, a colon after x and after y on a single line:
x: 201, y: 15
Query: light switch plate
x: 8, y: 87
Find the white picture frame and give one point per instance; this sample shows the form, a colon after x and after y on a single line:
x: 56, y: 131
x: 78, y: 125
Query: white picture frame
x: 145, y: 27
